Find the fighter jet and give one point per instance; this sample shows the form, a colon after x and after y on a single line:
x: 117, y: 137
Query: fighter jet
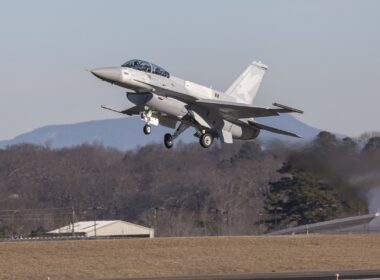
x: 163, y: 99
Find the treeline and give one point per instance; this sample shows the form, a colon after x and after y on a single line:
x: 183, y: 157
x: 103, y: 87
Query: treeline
x: 245, y: 188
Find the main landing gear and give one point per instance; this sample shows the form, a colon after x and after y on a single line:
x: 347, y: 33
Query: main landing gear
x: 168, y: 138
x: 206, y: 140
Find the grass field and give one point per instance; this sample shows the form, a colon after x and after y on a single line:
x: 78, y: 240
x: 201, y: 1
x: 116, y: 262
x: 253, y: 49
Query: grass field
x: 186, y: 256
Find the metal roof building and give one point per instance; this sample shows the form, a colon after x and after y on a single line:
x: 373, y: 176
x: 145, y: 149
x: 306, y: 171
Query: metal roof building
x: 114, y: 228
x: 350, y: 225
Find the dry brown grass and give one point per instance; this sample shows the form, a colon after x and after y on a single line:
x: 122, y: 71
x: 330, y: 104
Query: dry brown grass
x: 186, y: 256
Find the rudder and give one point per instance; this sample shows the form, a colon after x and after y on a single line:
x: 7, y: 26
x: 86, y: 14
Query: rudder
x: 245, y: 88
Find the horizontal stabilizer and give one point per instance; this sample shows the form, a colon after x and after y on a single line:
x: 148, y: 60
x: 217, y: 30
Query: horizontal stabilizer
x: 273, y: 129
x: 287, y: 109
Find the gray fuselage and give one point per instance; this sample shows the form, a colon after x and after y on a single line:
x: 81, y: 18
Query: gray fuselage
x: 171, y: 99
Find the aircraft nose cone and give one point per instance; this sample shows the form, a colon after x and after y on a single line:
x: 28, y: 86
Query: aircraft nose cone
x: 109, y: 74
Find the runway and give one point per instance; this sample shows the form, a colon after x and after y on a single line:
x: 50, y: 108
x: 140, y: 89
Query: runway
x: 323, y: 275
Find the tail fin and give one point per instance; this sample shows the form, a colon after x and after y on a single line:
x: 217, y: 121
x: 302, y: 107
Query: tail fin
x: 245, y: 88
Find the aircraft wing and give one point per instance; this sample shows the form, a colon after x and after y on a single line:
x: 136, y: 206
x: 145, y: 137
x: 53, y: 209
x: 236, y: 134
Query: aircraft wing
x: 233, y: 110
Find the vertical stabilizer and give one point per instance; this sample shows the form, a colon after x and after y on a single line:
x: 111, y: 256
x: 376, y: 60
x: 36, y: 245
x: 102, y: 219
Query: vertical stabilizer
x: 245, y: 88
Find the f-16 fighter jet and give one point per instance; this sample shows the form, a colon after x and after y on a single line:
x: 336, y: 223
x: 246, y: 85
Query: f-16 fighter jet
x: 161, y: 98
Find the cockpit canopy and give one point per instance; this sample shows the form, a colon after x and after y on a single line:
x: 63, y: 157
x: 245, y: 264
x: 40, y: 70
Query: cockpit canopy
x: 145, y: 66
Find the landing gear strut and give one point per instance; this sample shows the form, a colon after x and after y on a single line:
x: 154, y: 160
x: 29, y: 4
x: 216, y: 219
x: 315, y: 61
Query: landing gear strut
x: 168, y: 139
x: 206, y: 140
x: 147, y: 129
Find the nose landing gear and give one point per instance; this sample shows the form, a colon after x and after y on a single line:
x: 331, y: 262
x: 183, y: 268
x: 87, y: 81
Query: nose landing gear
x: 147, y: 129
x: 150, y: 119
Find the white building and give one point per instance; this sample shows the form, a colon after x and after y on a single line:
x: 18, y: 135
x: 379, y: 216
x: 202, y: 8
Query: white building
x: 115, y: 228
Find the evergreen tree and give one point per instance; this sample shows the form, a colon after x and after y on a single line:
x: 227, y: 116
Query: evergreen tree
x: 301, y: 198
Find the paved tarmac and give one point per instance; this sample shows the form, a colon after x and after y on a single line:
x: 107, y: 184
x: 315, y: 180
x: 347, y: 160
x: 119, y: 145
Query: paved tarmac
x: 323, y: 275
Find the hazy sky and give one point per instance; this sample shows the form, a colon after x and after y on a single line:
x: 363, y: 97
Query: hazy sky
x: 323, y: 56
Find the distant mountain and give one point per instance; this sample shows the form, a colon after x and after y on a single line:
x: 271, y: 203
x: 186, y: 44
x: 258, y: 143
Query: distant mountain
x: 127, y: 134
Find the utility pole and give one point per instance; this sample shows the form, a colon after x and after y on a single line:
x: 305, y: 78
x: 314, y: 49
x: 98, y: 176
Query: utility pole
x: 14, y: 212
x: 95, y: 208
x: 155, y: 218
x: 226, y: 211
x: 275, y: 217
x: 260, y: 218
x: 72, y: 220
x: 95, y: 225
x: 2, y: 234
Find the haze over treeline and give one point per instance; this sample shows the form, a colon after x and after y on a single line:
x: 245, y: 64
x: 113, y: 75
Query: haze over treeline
x: 245, y: 188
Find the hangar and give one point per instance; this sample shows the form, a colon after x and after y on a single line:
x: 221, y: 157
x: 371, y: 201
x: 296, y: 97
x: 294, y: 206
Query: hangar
x: 115, y: 228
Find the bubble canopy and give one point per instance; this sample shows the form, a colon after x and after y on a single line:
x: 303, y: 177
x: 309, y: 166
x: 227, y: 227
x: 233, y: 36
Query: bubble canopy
x: 145, y: 66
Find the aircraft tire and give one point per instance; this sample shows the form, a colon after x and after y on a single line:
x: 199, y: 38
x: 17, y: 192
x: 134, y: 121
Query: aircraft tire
x: 147, y: 129
x: 206, y: 140
x: 168, y: 141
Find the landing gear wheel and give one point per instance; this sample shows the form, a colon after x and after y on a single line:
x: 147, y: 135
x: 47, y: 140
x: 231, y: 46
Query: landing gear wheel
x: 206, y: 140
x: 168, y: 141
x: 147, y: 129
